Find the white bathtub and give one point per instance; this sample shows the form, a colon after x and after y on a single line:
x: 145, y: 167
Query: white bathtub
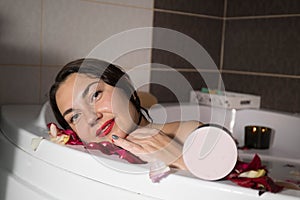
x: 58, y: 172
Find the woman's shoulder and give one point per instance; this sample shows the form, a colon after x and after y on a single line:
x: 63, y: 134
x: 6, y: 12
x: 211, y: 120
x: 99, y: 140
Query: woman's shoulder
x: 177, y: 125
x: 179, y: 129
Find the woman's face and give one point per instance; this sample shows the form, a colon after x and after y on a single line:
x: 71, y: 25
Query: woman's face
x: 94, y: 109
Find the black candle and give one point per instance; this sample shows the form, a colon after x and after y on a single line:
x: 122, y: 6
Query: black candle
x: 257, y: 137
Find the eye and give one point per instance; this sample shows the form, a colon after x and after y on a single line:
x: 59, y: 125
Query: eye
x: 74, y: 118
x: 96, y: 96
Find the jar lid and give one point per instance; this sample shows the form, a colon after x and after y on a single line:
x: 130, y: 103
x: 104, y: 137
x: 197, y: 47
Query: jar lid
x: 210, y: 152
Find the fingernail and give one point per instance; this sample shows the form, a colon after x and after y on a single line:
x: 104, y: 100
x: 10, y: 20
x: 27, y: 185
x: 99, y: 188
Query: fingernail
x: 115, y: 137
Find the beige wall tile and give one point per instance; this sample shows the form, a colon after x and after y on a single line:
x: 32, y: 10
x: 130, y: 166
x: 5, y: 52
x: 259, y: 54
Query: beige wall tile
x: 137, y: 64
x: 72, y: 29
x: 133, y: 3
x: 51, y: 33
x: 19, y: 85
x: 47, y: 79
x: 140, y: 76
x: 20, y: 25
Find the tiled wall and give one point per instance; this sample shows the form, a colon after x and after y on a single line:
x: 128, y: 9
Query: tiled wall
x: 37, y: 37
x: 254, y: 43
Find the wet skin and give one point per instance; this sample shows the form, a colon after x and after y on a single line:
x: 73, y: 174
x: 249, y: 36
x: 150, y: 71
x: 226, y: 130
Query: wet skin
x: 96, y: 111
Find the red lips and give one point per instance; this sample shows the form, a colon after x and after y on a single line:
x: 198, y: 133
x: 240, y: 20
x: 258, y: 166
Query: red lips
x: 105, y: 128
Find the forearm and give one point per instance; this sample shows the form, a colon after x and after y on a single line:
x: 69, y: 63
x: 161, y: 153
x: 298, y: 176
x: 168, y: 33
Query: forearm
x: 179, y: 164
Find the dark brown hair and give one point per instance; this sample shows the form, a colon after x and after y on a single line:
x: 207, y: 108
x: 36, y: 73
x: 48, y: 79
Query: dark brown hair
x: 107, y: 72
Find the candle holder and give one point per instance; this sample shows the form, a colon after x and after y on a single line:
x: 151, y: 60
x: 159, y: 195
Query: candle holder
x: 257, y: 137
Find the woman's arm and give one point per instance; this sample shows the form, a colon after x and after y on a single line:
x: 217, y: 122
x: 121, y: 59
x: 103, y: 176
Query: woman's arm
x: 178, y: 130
x: 159, y: 142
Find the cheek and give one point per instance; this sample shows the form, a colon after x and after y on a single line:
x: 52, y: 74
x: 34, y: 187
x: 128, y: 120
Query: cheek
x: 122, y: 108
x: 83, y: 131
x: 126, y: 115
x: 121, y: 105
x: 104, y: 105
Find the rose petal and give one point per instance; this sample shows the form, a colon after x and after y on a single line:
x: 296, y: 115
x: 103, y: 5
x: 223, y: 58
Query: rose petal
x: 110, y: 149
x: 64, y: 136
x: 253, y: 175
x: 158, y: 170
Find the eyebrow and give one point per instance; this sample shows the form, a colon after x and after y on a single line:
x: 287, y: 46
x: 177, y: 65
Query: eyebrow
x: 85, y: 92
x: 87, y: 89
x: 68, y: 111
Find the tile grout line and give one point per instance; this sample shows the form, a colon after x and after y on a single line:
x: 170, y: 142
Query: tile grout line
x: 261, y: 74
x: 117, y: 4
x: 187, y: 14
x: 151, y: 52
x: 220, y: 80
x: 41, y: 52
x: 184, y: 70
x: 263, y: 16
x: 196, y: 14
x: 155, y: 9
x: 19, y: 65
x: 227, y: 18
x: 249, y: 73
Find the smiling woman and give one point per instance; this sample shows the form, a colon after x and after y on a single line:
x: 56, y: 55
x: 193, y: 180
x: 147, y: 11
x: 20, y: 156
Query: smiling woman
x: 91, y: 113
x: 98, y: 102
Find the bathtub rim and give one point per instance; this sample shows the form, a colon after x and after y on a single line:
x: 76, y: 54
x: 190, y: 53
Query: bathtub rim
x: 227, y: 186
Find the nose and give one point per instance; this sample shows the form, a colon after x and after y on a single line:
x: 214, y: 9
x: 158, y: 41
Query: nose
x: 93, y: 117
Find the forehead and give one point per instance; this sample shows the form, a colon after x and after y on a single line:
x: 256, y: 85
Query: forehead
x: 73, y: 86
x: 75, y: 83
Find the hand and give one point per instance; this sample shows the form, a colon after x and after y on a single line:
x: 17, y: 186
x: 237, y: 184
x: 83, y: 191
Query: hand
x: 56, y: 136
x: 61, y: 136
x: 152, y: 144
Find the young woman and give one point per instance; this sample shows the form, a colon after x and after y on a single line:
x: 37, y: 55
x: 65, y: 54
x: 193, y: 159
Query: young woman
x: 97, y: 101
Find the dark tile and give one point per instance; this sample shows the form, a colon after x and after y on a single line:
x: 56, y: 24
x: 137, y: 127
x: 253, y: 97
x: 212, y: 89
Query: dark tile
x: 263, y: 45
x: 193, y: 60
x: 170, y: 59
x: 279, y: 94
x: 172, y: 86
x: 262, y: 7
x: 163, y: 94
x: 208, y: 7
x: 206, y: 32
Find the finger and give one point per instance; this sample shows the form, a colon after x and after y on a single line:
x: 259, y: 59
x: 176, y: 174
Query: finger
x: 133, y: 148
x: 146, y: 145
x: 126, y: 144
x: 53, y: 130
x: 144, y: 133
x: 157, y: 141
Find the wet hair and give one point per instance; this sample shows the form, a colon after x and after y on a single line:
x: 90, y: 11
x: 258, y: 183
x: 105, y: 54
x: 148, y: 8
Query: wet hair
x: 107, y: 72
